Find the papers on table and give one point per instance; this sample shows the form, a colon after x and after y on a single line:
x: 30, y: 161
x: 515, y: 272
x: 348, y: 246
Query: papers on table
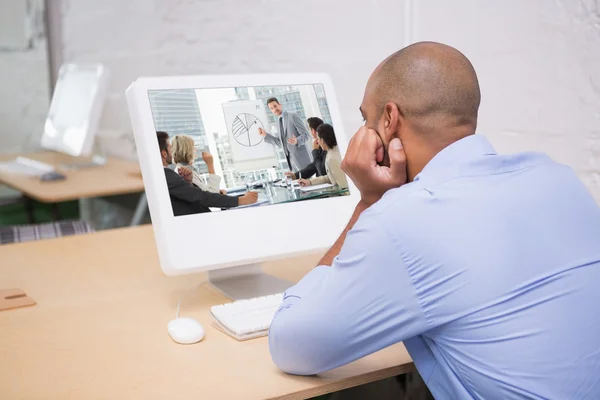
x: 313, y: 188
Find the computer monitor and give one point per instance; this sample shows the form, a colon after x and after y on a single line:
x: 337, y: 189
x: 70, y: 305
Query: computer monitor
x: 75, y: 109
x: 223, y: 114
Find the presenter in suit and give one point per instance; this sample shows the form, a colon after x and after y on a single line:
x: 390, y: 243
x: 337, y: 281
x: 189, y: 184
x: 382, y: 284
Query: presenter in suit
x: 293, y: 136
x: 187, y: 198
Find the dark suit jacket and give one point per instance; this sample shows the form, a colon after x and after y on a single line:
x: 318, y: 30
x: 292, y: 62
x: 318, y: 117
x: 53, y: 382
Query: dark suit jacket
x: 189, y: 199
x: 316, y: 167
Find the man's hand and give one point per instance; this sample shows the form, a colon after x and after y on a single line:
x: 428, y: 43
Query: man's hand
x: 289, y: 174
x: 186, y: 174
x: 223, y: 191
x: 361, y: 164
x: 304, y: 182
x: 248, y: 198
x: 262, y: 132
x: 293, y: 140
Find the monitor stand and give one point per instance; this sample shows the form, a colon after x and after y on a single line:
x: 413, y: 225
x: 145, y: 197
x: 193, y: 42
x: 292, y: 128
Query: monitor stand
x: 246, y: 282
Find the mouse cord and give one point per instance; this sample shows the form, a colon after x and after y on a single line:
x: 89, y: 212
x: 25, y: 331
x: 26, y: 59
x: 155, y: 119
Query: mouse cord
x: 185, y: 294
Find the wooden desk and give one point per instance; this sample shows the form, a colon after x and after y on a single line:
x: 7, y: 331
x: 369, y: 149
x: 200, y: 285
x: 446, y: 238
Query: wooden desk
x: 114, y: 178
x: 99, y: 330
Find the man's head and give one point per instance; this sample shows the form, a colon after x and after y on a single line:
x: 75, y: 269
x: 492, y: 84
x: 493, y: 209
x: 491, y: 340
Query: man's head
x: 274, y: 106
x: 326, y: 137
x: 313, y: 124
x: 164, y: 145
x: 427, y: 95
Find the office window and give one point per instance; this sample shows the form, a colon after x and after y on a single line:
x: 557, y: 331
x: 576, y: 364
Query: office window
x: 176, y: 112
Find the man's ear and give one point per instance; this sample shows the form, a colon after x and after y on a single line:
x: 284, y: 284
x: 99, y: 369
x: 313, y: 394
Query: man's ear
x: 391, y: 117
x: 163, y: 154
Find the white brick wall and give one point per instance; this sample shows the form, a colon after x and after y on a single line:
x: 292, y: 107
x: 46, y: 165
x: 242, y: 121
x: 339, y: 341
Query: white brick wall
x: 225, y: 36
x: 24, y: 89
x: 538, y: 61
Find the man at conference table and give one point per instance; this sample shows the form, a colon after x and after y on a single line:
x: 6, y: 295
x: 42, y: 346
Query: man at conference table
x: 187, y: 198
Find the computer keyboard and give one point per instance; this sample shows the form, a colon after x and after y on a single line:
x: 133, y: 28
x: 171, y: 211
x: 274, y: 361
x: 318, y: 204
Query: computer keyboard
x: 26, y: 166
x: 247, y: 319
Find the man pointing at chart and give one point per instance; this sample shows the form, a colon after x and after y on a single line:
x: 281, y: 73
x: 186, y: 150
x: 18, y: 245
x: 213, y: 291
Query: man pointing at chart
x: 292, y: 137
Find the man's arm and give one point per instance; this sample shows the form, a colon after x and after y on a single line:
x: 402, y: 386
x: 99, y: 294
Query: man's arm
x: 337, y: 246
x: 301, y: 130
x: 363, y: 303
x: 319, y: 161
x: 307, y: 171
x: 272, y: 139
x: 184, y: 191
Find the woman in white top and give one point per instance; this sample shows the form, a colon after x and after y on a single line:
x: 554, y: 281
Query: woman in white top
x: 184, y: 154
x: 333, y: 160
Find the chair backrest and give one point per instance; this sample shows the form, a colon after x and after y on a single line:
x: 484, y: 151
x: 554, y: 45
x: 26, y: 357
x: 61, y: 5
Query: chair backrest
x: 28, y: 233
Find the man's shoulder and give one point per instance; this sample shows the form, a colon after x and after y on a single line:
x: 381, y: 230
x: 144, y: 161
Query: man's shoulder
x: 408, y: 202
x: 171, y: 175
x: 169, y: 171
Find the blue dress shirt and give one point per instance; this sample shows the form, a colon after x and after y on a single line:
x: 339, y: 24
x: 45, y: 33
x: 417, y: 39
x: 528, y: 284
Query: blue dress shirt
x: 486, y: 266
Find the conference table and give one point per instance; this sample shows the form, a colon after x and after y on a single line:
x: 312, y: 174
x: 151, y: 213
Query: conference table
x: 279, y: 194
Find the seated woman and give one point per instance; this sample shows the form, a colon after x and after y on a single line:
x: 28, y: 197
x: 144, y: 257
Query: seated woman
x: 318, y: 165
x: 184, y: 154
x: 333, y: 160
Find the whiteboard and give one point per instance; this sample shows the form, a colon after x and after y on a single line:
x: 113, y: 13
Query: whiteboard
x: 243, y: 118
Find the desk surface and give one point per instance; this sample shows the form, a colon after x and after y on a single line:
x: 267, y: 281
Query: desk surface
x: 114, y: 178
x: 99, y: 329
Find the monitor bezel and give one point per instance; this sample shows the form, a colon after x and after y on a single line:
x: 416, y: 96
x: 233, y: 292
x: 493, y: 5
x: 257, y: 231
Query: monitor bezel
x: 179, y: 239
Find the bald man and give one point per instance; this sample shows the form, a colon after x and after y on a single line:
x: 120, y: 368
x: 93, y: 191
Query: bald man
x: 486, y: 266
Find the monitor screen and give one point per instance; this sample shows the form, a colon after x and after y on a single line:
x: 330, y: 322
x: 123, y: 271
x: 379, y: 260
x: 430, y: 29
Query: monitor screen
x: 238, y: 147
x: 75, y: 109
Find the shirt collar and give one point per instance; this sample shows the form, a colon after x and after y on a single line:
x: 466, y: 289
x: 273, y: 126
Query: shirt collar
x: 447, y: 162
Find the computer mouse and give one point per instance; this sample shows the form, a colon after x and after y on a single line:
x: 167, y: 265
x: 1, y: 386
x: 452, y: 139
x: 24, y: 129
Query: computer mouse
x: 52, y: 176
x: 185, y: 330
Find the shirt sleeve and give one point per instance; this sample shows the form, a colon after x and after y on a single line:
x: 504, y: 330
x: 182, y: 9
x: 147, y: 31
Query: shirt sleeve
x: 361, y: 304
x: 214, y: 183
x: 180, y: 189
x: 320, y: 180
x: 335, y: 169
x: 271, y: 139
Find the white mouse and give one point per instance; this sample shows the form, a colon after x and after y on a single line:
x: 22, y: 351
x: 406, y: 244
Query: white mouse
x: 185, y: 330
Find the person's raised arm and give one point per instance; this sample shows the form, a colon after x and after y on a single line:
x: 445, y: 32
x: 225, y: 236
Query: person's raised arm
x: 306, y: 172
x: 271, y: 139
x: 361, y: 164
x: 316, y: 327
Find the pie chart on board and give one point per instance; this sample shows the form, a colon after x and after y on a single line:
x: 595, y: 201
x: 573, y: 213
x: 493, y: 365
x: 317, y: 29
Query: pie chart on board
x: 245, y: 130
